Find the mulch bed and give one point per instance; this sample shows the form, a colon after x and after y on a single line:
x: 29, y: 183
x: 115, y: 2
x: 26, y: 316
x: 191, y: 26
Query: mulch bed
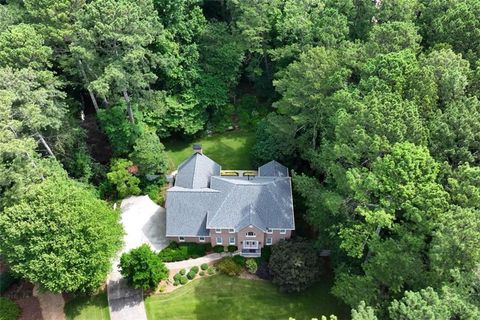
x: 22, y: 294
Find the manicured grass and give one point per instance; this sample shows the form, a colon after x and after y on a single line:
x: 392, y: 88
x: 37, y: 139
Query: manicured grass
x: 222, y: 297
x: 88, y: 308
x: 230, y: 149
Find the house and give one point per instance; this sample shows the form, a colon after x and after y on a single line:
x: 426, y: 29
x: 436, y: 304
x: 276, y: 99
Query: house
x: 238, y: 208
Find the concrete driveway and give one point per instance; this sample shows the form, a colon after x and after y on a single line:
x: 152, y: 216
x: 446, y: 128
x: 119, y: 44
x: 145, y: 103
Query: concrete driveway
x: 143, y: 222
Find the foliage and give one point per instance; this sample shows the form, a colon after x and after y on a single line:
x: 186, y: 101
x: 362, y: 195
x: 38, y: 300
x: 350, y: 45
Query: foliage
x: 251, y: 265
x: 210, y: 271
x: 156, y: 191
x: 294, y: 265
x: 228, y: 266
x: 363, y: 312
x: 149, y: 153
x: 232, y: 248
x: 182, y: 251
x: 204, y: 266
x: 218, y: 249
x: 142, y: 268
x: 239, y: 260
x: 60, y: 236
x: 8, y: 309
x: 191, y: 275
x: 202, y: 273
x: 126, y: 183
x: 194, y: 269
x: 6, y: 279
x: 183, y: 280
x: 183, y: 272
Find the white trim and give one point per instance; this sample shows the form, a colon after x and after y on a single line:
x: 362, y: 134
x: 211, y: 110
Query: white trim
x: 230, y: 242
x: 269, y: 231
x: 185, y: 235
x: 283, y: 231
x: 201, y: 239
x: 250, y: 244
x: 249, y: 236
x: 181, y: 239
x: 218, y: 242
x: 269, y: 241
x: 231, y: 230
x: 218, y: 230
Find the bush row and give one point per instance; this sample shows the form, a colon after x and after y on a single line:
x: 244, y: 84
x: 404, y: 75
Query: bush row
x: 184, y: 251
x: 183, y: 276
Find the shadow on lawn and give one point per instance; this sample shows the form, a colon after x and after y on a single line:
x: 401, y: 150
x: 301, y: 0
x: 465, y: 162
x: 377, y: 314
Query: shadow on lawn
x: 76, y: 305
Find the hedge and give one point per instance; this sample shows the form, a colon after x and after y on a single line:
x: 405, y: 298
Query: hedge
x: 183, y: 251
x: 219, y: 249
x: 232, y: 248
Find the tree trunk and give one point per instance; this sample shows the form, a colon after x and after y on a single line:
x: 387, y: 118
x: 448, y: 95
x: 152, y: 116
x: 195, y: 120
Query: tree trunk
x: 45, y: 144
x: 129, y: 106
x: 90, y: 92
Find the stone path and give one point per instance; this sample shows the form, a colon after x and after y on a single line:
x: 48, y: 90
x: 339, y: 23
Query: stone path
x: 51, y: 305
x: 143, y: 222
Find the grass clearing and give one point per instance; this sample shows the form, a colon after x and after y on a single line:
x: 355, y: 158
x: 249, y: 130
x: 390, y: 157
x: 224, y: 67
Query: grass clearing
x: 230, y: 149
x: 223, y: 297
x: 88, y: 308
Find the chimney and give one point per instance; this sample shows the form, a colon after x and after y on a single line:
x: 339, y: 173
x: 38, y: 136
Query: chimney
x: 197, y: 148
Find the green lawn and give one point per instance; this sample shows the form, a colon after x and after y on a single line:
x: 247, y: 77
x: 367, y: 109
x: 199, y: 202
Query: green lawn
x: 222, y: 297
x: 88, y: 308
x: 230, y: 149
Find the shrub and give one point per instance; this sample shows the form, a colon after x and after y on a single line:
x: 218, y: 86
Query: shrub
x: 156, y: 192
x: 228, y: 266
x: 194, y: 269
x: 204, y: 266
x: 142, y: 268
x: 176, y: 282
x: 251, y: 265
x: 263, y: 272
x: 191, y: 275
x: 126, y: 184
x: 202, y: 273
x: 177, y: 277
x: 8, y: 309
x: 183, y: 280
x: 239, y: 260
x: 210, y: 271
x: 294, y: 265
x: 182, y: 272
x: 183, y: 251
x: 266, y: 253
x: 219, y: 249
x: 232, y: 248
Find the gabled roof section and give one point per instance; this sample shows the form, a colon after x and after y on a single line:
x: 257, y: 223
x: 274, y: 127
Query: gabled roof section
x: 273, y: 169
x: 265, y: 202
x: 195, y: 172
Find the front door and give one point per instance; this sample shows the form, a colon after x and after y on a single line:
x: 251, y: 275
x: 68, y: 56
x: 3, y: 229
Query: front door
x: 250, y: 244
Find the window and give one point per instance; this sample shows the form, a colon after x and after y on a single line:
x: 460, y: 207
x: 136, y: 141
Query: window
x: 269, y: 241
x: 269, y: 231
x: 231, y: 230
x: 201, y: 239
x: 219, y: 240
x: 231, y: 241
x: 283, y: 231
x: 218, y: 230
x: 181, y: 239
x: 250, y: 234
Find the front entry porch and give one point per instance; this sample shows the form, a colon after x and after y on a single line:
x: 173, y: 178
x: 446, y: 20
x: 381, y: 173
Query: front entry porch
x: 250, y: 249
x: 251, y: 253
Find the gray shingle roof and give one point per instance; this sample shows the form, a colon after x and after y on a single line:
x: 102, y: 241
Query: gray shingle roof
x: 273, y: 168
x: 228, y: 202
x: 187, y: 210
x: 265, y: 202
x: 195, y: 172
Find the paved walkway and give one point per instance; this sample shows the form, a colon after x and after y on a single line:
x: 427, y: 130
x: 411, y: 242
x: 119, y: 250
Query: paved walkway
x: 143, y: 222
x: 51, y: 305
x: 187, y: 264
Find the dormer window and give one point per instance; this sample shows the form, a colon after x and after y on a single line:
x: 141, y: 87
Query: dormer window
x: 283, y: 231
x: 218, y: 230
x: 250, y: 234
x: 231, y: 230
x: 269, y: 231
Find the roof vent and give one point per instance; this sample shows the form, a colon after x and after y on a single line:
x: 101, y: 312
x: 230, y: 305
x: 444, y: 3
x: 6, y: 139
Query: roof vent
x: 197, y: 148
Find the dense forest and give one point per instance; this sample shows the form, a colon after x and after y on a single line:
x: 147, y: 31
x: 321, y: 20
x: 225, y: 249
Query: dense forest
x: 374, y: 104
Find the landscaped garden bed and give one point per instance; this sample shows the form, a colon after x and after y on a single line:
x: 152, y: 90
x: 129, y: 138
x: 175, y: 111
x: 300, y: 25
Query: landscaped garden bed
x: 184, y: 251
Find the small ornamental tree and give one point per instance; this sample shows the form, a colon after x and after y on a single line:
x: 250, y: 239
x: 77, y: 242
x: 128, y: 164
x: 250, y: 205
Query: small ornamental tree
x: 294, y: 265
x: 120, y: 175
x: 142, y: 268
x: 149, y: 153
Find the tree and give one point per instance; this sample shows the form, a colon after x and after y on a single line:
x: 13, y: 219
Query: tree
x: 126, y: 183
x: 142, y: 268
x: 294, y: 265
x: 393, y: 36
x: 114, y: 40
x: 149, y: 153
x: 424, y: 304
x: 22, y: 47
x: 363, y: 312
x: 61, y: 236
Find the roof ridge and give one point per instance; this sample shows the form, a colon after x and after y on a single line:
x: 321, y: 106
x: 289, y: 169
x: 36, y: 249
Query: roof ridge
x: 221, y: 204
